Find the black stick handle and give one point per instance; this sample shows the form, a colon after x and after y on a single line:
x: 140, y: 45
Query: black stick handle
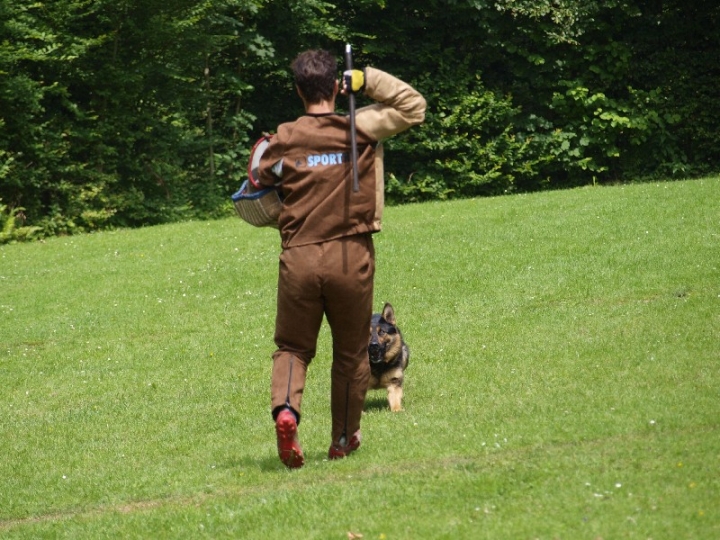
x: 353, y: 134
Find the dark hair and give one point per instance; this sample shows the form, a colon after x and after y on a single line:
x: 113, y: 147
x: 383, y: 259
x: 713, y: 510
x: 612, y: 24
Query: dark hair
x: 315, y: 75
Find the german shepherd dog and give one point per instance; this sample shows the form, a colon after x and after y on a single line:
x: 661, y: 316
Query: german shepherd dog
x: 389, y: 356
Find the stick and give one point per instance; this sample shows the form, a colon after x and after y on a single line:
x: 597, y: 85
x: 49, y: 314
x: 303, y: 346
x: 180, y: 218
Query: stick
x: 353, y: 135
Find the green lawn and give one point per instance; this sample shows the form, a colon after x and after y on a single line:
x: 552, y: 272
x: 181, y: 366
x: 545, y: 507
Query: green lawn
x: 564, y: 379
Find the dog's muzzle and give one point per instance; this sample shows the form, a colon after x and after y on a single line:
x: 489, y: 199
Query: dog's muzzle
x: 375, y: 352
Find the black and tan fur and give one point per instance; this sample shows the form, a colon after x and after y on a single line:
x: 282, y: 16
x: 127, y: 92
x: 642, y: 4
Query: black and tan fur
x: 389, y: 356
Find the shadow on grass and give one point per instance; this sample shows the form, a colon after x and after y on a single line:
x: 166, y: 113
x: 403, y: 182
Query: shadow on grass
x: 376, y: 403
x: 273, y: 464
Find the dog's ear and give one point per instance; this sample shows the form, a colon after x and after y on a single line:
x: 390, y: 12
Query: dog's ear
x: 388, y: 313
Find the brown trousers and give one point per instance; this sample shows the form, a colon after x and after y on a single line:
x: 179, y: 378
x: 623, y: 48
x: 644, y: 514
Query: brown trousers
x: 334, y: 279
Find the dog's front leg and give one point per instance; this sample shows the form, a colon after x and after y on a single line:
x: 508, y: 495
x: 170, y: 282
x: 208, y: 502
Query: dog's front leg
x: 395, y: 395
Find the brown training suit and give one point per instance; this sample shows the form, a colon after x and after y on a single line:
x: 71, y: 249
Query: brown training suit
x: 327, y: 263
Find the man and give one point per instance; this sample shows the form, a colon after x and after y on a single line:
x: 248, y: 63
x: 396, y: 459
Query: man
x: 327, y: 264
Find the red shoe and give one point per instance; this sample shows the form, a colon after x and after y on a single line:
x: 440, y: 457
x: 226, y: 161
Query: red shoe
x: 287, y: 440
x: 340, y: 450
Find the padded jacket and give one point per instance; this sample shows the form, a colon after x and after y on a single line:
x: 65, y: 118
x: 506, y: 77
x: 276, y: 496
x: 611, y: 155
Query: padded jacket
x: 309, y: 161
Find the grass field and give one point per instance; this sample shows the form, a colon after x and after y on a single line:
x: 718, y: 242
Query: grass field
x: 564, y: 379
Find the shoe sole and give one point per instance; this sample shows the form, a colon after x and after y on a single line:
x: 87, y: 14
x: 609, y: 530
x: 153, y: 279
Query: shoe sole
x: 288, y: 447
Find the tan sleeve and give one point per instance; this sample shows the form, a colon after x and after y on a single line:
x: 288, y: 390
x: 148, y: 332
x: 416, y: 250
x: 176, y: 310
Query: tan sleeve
x: 399, y: 106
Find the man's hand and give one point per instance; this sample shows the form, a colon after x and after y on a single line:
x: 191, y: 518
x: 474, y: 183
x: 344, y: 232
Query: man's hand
x: 354, y: 80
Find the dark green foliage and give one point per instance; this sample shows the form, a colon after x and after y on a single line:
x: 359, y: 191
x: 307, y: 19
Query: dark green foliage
x: 134, y: 112
x: 11, y: 225
x: 123, y: 114
x: 468, y: 147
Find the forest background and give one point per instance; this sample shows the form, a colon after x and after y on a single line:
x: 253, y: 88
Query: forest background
x: 127, y: 113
